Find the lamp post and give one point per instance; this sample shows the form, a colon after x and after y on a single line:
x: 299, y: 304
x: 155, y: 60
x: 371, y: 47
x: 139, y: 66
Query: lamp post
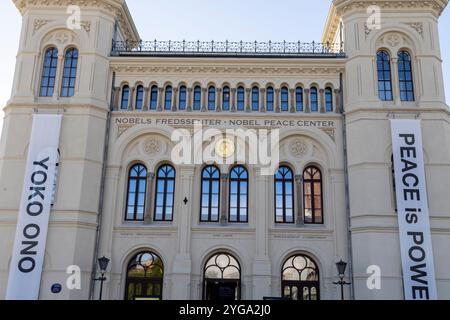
x: 103, y: 264
x: 341, y: 266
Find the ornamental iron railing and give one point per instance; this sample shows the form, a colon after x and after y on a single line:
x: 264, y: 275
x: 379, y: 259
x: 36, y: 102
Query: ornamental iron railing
x: 239, y: 48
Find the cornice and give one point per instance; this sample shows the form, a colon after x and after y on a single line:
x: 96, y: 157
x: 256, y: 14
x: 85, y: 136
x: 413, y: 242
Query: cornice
x: 118, y: 8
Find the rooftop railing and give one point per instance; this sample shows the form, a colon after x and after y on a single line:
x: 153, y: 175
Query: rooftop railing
x: 227, y: 48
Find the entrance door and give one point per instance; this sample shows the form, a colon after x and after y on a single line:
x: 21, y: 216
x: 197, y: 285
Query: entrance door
x: 221, y: 291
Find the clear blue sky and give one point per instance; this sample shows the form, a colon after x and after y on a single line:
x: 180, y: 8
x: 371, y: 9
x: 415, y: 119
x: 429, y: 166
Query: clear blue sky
x: 207, y: 20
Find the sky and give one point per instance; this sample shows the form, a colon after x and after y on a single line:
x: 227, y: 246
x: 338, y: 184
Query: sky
x: 248, y: 20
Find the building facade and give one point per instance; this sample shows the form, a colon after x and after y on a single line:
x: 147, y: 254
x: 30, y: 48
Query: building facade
x: 227, y: 231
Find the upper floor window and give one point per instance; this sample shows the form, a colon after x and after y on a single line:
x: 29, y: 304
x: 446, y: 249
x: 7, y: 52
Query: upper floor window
x: 226, y: 98
x: 269, y: 99
x: 312, y: 197
x: 125, y: 97
x: 238, y: 195
x: 137, y: 185
x: 314, y: 100
x: 284, y: 99
x: 212, y: 98
x: 154, y: 98
x: 165, y: 190
x: 255, y: 99
x: 328, y: 99
x: 241, y: 99
x: 299, y: 99
x: 405, y: 76
x: 49, y: 72
x: 69, y: 72
x: 284, y: 195
x: 168, y: 98
x: 139, y: 97
x: 210, y: 194
x: 197, y: 98
x: 182, y: 98
x: 384, y: 76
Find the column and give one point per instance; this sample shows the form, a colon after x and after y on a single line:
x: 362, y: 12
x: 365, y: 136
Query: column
x: 248, y: 100
x: 174, y: 99
x: 219, y: 99
x: 277, y: 101
x: 307, y: 106
x: 204, y: 98
x: 395, y: 81
x: 322, y: 101
x: 149, y: 203
x: 131, y: 98
x: 299, y: 194
x: 224, y: 199
x: 233, y: 99
x: 190, y: 99
x: 59, y: 72
x: 116, y: 104
x: 160, y: 99
x: 263, y: 99
x: 146, y: 99
x: 337, y: 101
x: 292, y: 99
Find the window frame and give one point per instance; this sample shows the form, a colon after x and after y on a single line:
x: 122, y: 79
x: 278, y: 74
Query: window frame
x: 197, y: 103
x: 299, y: 104
x: 165, y: 180
x: 137, y: 180
x: 329, y: 103
x: 182, y: 98
x: 239, y: 208
x: 402, y: 71
x: 311, y: 183
x: 226, y: 102
x: 139, y: 103
x: 210, y: 180
x: 270, y: 92
x: 212, y: 98
x: 69, y: 90
x: 284, y: 99
x: 240, y: 99
x: 255, y: 98
x: 284, y: 195
x: 384, y: 58
x: 154, y: 92
x: 168, y: 97
x: 47, y: 72
x: 125, y: 88
x: 314, y: 103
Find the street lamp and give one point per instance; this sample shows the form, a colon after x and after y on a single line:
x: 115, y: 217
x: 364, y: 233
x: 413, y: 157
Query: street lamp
x: 341, y: 266
x: 103, y: 264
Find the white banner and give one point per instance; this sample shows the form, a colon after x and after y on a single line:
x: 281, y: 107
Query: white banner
x: 32, y: 225
x: 412, y: 204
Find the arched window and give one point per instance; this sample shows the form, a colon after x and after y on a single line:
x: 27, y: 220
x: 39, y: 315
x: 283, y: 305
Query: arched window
x: 269, y: 99
x: 314, y: 100
x: 300, y: 279
x: 165, y: 190
x: 168, y: 98
x: 328, y: 99
x: 226, y: 98
x: 312, y: 195
x: 49, y: 72
x: 284, y: 195
x: 197, y: 98
x: 384, y: 76
x: 299, y: 99
x: 137, y: 186
x: 212, y: 98
x: 405, y: 76
x: 210, y: 194
x: 222, y: 278
x: 154, y: 98
x: 241, y: 99
x: 255, y: 99
x: 284, y: 99
x: 125, y: 97
x: 139, y: 97
x: 145, y: 273
x: 69, y: 72
x: 238, y: 211
x: 182, y: 98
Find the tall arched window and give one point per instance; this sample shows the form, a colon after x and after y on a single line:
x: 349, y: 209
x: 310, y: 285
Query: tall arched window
x: 328, y: 99
x: 284, y: 99
x: 238, y: 211
x: 197, y: 98
x: 255, y: 99
x: 405, y: 76
x: 241, y: 99
x: 69, y: 72
x: 269, y: 99
x: 300, y: 279
x: 168, y: 98
x: 145, y: 273
x: 139, y: 97
x: 125, y: 97
x: 314, y: 99
x: 312, y: 195
x: 154, y: 98
x: 211, y: 98
x: 222, y: 278
x: 226, y: 98
x: 49, y: 72
x: 137, y: 186
x: 299, y: 99
x: 284, y: 195
x: 165, y: 193
x: 384, y: 76
x: 210, y: 194
x: 182, y: 98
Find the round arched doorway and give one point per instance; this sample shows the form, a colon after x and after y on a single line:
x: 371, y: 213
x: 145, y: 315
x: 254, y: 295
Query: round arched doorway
x: 222, y: 278
x: 145, y: 273
x: 300, y: 278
